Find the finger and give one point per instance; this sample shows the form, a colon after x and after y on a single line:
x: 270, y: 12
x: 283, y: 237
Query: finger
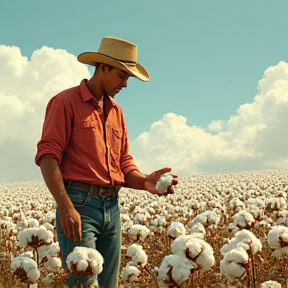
x: 80, y: 231
x: 174, y: 182
x: 164, y: 170
x: 76, y: 233
x: 170, y: 190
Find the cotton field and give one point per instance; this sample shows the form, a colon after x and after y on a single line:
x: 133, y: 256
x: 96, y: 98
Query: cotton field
x: 217, y: 230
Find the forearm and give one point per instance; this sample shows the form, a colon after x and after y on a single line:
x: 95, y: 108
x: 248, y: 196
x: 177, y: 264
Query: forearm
x: 135, y: 180
x: 53, y: 179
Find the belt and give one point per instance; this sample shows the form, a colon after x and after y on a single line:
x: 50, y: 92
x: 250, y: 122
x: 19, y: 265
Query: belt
x: 105, y: 191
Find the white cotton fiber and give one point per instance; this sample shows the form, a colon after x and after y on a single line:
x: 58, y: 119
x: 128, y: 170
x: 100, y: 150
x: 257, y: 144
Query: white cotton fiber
x: 164, y: 182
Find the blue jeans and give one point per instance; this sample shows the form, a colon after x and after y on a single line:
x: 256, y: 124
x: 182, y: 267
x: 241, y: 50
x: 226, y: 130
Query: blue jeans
x: 101, y: 230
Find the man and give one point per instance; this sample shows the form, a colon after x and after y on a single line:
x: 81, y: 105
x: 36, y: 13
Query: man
x: 84, y: 157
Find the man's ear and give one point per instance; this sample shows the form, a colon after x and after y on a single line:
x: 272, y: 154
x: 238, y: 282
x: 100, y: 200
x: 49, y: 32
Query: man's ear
x: 102, y: 67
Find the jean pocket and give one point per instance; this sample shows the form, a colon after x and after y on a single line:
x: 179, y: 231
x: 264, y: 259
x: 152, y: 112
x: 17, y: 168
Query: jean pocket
x: 78, y: 198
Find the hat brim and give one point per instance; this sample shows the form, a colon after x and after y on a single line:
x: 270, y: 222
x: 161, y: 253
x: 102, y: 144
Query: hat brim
x: 91, y: 58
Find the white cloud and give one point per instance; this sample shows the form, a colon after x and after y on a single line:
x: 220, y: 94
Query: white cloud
x: 255, y: 138
x: 25, y: 88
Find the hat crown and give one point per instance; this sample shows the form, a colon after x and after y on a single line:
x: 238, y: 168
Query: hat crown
x: 119, y: 49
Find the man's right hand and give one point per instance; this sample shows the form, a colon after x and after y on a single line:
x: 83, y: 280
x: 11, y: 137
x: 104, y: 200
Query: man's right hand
x: 70, y: 223
x: 70, y: 220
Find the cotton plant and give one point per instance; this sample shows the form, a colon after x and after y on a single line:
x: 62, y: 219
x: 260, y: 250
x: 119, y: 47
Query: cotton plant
x: 234, y: 263
x: 189, y: 254
x: 140, y: 218
x: 175, y: 270
x: 236, y: 205
x: 207, y: 218
x: 195, y: 249
x: 243, y: 219
x: 157, y: 221
x: 138, y: 232
x: 245, y: 239
x: 35, y: 237
x: 278, y: 240
x: 49, y: 256
x: 25, y: 268
x: 197, y: 229
x: 176, y: 229
x: 33, y: 223
x: 239, y: 253
x: 138, y: 261
x: 137, y: 254
x: 130, y: 274
x: 45, y: 253
x: 83, y: 261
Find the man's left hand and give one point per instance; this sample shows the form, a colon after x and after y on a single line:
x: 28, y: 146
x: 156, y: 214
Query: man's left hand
x: 152, y: 179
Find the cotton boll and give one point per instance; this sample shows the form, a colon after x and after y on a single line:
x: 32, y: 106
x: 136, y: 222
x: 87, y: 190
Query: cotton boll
x: 33, y: 223
x: 127, y: 225
x: 277, y: 237
x: 138, y: 231
x: 139, y: 218
x: 35, y: 236
x: 206, y: 258
x: 244, y: 236
x: 82, y: 264
x: 232, y: 228
x: 196, y: 249
x: 125, y: 217
x: 130, y: 274
x: 257, y: 202
x: 271, y: 284
x: 232, y: 262
x: 158, y: 221
x: 49, y: 217
x: 174, y: 269
x: 278, y: 253
x: 48, y: 226
x: 164, y: 182
x: 137, y: 254
x: 82, y: 257
x: 33, y: 274
x: 236, y: 205
x: 206, y: 218
x: 176, y: 229
x: 28, y: 265
x: 243, y: 219
x: 53, y: 263
x: 197, y: 228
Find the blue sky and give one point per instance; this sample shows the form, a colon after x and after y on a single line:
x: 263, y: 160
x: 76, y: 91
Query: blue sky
x: 205, y: 58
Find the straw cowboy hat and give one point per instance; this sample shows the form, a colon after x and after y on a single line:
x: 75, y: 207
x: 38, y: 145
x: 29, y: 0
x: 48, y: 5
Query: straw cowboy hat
x: 118, y: 53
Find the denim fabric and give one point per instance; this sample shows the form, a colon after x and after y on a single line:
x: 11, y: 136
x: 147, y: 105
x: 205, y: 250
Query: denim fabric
x: 101, y: 230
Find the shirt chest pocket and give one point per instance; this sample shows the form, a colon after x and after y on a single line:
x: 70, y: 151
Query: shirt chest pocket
x: 89, y: 129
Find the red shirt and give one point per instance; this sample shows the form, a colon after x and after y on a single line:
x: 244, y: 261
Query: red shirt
x: 88, y: 146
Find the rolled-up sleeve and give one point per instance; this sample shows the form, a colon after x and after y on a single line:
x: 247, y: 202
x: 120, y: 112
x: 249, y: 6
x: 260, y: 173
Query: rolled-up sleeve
x: 56, y: 131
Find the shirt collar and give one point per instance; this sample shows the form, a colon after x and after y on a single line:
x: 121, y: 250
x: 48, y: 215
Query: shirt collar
x: 87, y: 95
x: 85, y: 92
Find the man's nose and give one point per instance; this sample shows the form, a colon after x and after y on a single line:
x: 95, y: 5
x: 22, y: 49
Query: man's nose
x: 125, y: 83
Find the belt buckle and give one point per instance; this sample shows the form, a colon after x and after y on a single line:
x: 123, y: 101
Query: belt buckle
x: 105, y: 191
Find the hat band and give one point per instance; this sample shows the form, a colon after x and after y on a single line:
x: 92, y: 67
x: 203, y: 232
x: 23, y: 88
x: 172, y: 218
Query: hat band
x: 126, y: 62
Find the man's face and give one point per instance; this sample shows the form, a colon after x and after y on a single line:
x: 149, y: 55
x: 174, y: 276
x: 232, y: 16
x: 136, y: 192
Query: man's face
x: 114, y: 80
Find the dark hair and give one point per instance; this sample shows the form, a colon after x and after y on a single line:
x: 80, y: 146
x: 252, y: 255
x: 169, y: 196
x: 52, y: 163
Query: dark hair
x: 109, y: 66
